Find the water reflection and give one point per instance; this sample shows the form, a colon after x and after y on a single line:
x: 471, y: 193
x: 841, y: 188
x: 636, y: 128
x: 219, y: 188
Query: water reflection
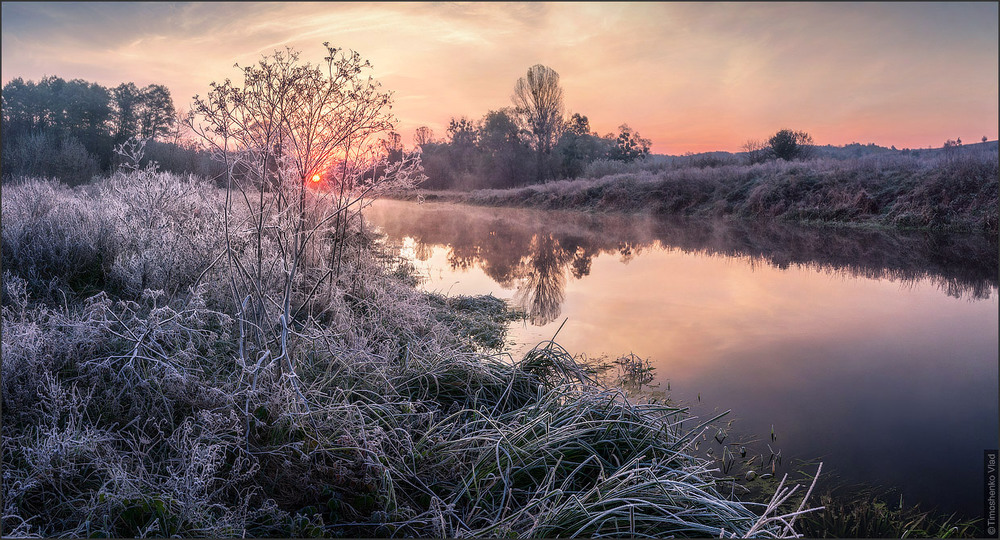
x: 874, y: 351
x: 536, y: 252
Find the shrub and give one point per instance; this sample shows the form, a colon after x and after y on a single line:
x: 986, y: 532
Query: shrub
x: 165, y: 226
x: 44, y: 155
x: 53, y: 238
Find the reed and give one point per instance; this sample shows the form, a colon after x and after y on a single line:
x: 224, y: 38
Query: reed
x: 870, y: 513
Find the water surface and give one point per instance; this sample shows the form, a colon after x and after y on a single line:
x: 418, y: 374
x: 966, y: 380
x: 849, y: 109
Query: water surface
x: 873, y: 351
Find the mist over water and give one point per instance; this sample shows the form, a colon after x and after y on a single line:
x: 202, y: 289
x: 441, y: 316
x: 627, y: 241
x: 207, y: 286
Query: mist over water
x: 875, y: 351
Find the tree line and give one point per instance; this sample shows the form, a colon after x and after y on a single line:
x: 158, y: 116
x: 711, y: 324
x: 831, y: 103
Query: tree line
x: 530, y: 141
x: 69, y: 129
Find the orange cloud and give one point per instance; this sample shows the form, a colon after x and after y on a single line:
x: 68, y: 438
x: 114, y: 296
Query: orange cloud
x: 691, y: 77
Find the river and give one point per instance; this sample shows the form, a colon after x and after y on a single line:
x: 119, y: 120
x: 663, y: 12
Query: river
x: 873, y: 351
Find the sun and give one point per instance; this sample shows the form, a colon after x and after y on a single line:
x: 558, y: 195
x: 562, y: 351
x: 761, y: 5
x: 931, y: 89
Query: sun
x: 316, y: 178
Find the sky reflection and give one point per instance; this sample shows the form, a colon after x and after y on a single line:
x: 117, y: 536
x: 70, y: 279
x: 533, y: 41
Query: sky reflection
x: 885, y: 367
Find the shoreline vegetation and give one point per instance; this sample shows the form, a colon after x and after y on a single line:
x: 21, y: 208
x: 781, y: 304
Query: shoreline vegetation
x: 952, y: 191
x: 125, y: 413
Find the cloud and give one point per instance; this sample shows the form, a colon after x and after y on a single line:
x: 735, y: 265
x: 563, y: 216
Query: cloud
x: 690, y: 76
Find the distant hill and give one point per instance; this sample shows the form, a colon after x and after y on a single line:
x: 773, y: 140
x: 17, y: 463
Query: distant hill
x: 848, y: 151
x: 855, y: 150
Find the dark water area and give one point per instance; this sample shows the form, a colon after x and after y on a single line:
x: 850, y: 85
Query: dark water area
x: 874, y: 351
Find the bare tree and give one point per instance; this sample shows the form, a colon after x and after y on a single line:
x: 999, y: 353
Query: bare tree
x: 299, y: 145
x: 393, y: 143
x: 538, y: 99
x: 757, y: 151
x: 423, y: 135
x: 951, y: 148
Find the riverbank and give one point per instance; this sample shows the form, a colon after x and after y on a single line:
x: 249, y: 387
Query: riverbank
x: 129, y: 410
x: 947, y: 193
x: 590, y: 265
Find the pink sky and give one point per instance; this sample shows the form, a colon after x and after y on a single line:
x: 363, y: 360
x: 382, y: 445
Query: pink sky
x: 689, y: 76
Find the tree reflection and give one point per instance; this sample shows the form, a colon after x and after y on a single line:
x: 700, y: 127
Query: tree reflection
x: 543, y: 287
x: 534, y: 251
x: 580, y: 266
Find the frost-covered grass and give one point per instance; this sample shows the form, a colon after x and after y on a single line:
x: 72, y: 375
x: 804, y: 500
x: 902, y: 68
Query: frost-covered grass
x: 129, y: 410
x: 947, y: 191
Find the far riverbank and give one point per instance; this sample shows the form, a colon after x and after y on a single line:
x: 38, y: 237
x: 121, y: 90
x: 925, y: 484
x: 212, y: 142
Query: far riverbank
x: 955, y: 194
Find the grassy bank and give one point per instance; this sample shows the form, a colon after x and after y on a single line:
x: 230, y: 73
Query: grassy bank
x: 130, y: 408
x: 945, y: 191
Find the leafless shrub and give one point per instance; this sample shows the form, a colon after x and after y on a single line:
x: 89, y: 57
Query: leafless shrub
x: 50, y: 235
x: 130, y: 153
x: 757, y: 151
x: 166, y: 229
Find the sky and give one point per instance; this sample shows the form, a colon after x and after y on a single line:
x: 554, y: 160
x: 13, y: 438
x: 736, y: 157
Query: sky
x: 691, y: 77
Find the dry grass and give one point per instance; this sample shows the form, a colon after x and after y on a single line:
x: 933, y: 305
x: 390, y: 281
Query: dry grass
x: 130, y: 411
x: 947, y: 192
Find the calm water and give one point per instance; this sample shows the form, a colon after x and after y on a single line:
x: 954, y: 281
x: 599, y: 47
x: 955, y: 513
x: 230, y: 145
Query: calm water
x: 874, y: 352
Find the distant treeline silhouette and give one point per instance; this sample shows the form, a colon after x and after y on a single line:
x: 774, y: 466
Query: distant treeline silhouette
x: 68, y: 129
x: 495, y: 153
x: 529, y: 142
